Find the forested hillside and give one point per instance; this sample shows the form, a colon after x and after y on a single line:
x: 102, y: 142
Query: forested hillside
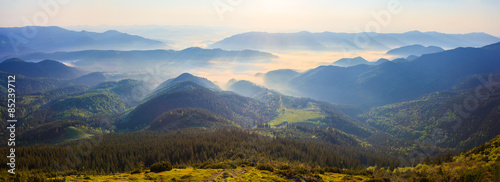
x: 193, y: 124
x: 454, y: 119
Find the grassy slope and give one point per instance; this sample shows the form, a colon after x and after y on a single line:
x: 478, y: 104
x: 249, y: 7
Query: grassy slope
x: 482, y: 162
x: 73, y: 133
x: 479, y: 164
x: 298, y: 116
x: 192, y: 174
x: 57, y: 132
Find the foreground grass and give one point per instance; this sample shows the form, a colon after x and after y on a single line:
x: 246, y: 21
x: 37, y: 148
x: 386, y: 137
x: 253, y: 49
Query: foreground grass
x: 192, y: 174
x: 188, y: 174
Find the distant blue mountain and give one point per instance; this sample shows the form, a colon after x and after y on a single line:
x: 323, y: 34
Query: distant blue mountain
x: 390, y: 82
x: 90, y: 80
x: 341, y: 42
x: 249, y: 89
x: 51, y: 39
x: 274, y: 79
x: 346, y: 62
x: 416, y: 50
x: 411, y: 57
x: 381, y: 60
x: 139, y: 60
x: 400, y: 60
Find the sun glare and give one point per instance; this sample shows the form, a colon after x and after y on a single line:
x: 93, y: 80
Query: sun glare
x: 279, y: 6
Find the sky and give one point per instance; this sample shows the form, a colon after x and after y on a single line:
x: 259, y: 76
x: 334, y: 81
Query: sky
x: 448, y: 16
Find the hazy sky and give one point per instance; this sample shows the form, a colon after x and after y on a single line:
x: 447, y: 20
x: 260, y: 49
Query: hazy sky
x: 449, y: 16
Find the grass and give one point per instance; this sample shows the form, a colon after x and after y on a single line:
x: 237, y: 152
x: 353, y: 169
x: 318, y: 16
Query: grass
x: 191, y: 174
x: 342, y: 177
x: 298, y: 116
x: 70, y: 134
x: 74, y: 133
x: 188, y: 174
x: 250, y: 174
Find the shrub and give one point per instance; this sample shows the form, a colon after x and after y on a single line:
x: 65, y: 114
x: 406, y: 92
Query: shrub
x: 216, y: 166
x: 136, y: 171
x: 226, y: 175
x: 240, y: 155
x: 265, y: 167
x: 285, y: 167
x: 148, y: 177
x: 332, y: 169
x: 321, y: 171
x: 473, y: 175
x: 160, y: 167
x: 286, y: 173
x: 375, y: 180
x: 246, y: 163
x: 180, y: 166
x: 301, y: 170
x: 221, y: 165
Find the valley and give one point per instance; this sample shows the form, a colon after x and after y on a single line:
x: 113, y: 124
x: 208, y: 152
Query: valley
x: 92, y: 114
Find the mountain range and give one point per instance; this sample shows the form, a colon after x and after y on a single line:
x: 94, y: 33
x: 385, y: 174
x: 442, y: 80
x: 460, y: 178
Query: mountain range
x: 348, y: 62
x: 351, y: 120
x: 118, y: 103
x: 389, y: 82
x: 48, y: 75
x: 181, y: 103
x: 346, y: 42
x: 248, y: 89
x: 45, y: 68
x: 22, y: 40
x: 138, y: 60
x: 176, y: 37
x: 188, y: 77
x: 415, y: 50
x: 68, y: 111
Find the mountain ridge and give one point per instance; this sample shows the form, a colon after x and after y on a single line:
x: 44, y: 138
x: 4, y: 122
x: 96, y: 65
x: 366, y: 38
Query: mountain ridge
x: 46, y: 68
x: 330, y: 41
x: 391, y: 82
x: 139, y: 60
x: 53, y: 38
x: 415, y: 50
x: 188, y: 77
x: 346, y: 62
